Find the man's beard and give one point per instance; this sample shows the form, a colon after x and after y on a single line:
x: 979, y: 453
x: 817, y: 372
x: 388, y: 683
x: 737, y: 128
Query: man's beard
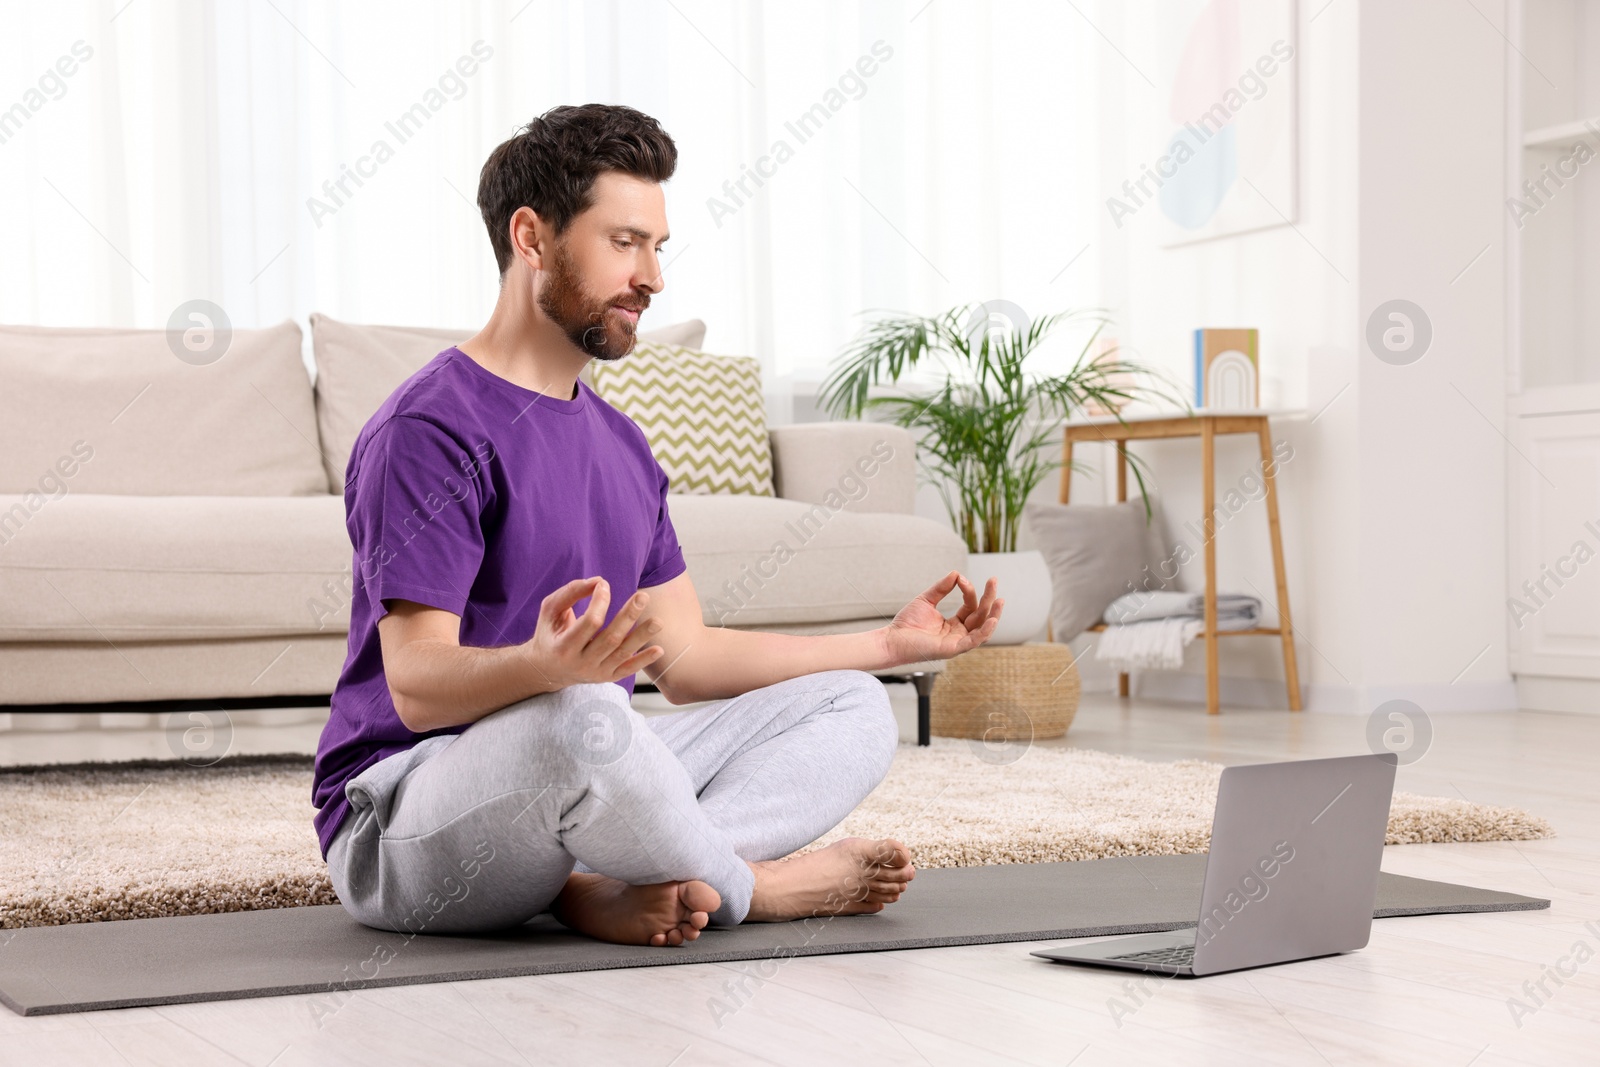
x: 587, y: 321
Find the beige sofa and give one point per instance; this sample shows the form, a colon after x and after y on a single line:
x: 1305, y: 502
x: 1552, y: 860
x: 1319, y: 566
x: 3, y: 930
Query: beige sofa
x: 172, y: 528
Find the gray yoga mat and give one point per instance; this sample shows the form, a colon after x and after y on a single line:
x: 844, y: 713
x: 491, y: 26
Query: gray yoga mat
x: 137, y: 962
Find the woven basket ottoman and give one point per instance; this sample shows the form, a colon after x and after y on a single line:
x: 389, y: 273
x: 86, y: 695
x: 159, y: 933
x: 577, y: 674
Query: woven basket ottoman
x: 1007, y: 693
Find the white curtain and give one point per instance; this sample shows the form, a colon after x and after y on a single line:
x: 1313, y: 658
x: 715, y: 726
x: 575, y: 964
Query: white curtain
x: 153, y: 152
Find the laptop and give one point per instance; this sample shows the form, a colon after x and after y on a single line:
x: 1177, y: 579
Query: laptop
x: 1292, y: 874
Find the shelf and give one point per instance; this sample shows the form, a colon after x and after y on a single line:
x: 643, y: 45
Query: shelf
x: 1099, y: 626
x: 1567, y: 133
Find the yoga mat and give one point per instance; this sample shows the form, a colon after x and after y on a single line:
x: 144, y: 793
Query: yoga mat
x: 137, y: 962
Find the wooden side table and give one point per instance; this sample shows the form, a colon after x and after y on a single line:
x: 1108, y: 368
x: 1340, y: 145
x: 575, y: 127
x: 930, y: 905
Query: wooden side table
x: 1207, y: 426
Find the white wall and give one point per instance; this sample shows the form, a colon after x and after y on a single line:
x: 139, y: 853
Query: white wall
x: 1394, y: 501
x: 1433, y: 450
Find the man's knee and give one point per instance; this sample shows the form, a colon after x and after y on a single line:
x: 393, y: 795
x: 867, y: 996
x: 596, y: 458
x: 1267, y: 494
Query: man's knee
x: 592, y: 723
x: 869, y: 699
x: 889, y: 723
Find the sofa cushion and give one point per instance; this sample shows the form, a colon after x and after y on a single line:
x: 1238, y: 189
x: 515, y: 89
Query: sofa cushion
x: 94, y: 568
x: 117, y: 411
x: 359, y: 366
x: 91, y: 567
x: 759, y: 560
x: 704, y: 415
x: 859, y: 466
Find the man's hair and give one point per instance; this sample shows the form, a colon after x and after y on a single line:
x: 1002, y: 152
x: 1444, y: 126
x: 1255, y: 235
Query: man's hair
x: 550, y: 165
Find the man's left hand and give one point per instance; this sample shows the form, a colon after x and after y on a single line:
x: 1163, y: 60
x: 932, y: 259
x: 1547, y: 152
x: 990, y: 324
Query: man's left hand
x: 919, y: 632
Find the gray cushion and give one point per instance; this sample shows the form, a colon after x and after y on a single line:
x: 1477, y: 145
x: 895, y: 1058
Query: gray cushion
x: 1096, y: 553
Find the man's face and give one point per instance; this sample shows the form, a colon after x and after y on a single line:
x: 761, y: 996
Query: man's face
x: 607, y: 265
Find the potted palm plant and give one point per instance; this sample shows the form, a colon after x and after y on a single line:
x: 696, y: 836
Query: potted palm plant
x: 987, y: 429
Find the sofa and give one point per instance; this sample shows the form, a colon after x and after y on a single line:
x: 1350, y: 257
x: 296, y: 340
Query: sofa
x: 172, y: 522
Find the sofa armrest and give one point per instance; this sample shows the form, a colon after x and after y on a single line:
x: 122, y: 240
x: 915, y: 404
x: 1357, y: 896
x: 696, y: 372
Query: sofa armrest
x: 857, y: 466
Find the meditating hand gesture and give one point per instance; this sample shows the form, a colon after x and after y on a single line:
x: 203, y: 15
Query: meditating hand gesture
x: 919, y: 632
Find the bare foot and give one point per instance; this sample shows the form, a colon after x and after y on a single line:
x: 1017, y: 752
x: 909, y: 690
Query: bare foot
x: 853, y: 876
x: 663, y: 913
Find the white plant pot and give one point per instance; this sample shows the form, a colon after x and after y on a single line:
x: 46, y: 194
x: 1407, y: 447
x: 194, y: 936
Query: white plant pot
x: 1023, y: 581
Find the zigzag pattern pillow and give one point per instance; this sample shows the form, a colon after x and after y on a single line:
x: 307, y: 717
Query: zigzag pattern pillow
x: 704, y: 415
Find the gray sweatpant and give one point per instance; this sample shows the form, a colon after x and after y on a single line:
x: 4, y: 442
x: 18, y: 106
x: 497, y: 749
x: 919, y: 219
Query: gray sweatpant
x: 479, y: 830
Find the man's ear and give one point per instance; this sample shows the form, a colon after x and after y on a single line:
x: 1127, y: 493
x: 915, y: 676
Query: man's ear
x: 528, y: 234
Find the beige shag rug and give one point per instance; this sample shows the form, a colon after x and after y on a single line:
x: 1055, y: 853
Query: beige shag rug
x: 94, y: 842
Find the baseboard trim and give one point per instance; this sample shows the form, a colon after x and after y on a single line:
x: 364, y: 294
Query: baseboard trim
x: 1269, y: 693
x: 1184, y: 687
x: 1576, y: 696
x: 1447, y: 697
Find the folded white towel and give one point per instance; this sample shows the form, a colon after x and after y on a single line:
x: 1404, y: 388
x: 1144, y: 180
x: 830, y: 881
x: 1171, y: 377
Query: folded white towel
x: 1151, y: 629
x: 1157, y: 643
x: 1163, y: 604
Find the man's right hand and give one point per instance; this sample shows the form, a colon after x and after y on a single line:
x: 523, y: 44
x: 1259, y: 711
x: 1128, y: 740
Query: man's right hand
x: 571, y: 649
x: 436, y: 683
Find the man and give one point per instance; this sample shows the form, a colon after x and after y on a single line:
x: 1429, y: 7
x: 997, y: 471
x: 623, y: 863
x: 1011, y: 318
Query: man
x: 518, y: 567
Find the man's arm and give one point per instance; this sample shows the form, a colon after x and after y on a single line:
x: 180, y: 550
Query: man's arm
x: 436, y: 682
x: 701, y: 662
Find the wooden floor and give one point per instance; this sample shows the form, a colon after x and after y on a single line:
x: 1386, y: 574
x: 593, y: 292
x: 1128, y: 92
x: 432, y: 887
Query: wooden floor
x: 1427, y: 990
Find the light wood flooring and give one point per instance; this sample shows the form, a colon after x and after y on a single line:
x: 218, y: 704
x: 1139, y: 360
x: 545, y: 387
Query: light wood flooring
x: 1427, y: 990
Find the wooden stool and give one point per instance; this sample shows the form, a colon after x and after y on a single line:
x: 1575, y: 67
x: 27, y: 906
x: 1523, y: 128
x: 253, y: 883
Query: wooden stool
x: 1007, y: 693
x: 1206, y: 426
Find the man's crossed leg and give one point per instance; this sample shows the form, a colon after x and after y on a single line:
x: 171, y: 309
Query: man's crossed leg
x: 632, y: 829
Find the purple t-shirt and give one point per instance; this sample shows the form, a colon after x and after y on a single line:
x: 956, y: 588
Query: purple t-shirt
x: 467, y: 492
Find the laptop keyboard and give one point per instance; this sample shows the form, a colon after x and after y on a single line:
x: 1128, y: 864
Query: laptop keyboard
x: 1182, y: 956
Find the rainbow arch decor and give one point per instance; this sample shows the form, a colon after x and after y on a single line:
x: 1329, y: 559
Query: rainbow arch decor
x: 1227, y: 369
